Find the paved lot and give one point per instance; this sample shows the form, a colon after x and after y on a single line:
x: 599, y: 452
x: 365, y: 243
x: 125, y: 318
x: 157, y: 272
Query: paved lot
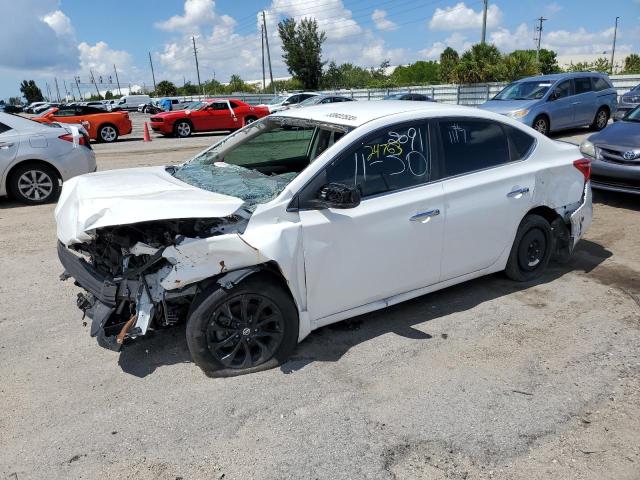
x: 488, y: 379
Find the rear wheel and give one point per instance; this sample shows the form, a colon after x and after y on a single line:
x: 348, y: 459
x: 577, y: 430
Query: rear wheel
x: 249, y: 120
x: 531, y: 250
x: 541, y: 124
x: 600, y: 120
x: 251, y: 327
x: 182, y: 129
x: 107, y: 133
x: 34, y: 183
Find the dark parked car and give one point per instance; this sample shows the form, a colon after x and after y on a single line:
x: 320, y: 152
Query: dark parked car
x: 6, y: 108
x: 628, y: 102
x: 409, y: 96
x: 615, y: 155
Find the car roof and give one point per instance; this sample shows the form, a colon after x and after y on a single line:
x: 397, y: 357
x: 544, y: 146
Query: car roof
x: 355, y: 114
x: 560, y: 76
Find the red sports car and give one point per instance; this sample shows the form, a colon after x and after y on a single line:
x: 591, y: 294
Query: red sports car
x: 207, y: 116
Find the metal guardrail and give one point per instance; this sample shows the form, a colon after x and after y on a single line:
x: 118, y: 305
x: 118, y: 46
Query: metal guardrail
x: 473, y: 94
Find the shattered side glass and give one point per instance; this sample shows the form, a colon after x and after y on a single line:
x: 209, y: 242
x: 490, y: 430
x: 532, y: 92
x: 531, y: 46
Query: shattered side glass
x: 250, y: 186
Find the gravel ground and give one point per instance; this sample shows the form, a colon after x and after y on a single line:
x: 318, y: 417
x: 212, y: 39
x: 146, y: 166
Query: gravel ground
x: 489, y: 379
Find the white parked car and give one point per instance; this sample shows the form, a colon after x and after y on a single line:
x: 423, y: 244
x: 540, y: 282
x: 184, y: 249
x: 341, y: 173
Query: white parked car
x: 311, y: 216
x: 285, y: 101
x: 36, y: 158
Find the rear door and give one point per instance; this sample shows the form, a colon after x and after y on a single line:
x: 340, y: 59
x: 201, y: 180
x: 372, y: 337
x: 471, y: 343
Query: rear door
x: 487, y: 187
x: 584, y: 101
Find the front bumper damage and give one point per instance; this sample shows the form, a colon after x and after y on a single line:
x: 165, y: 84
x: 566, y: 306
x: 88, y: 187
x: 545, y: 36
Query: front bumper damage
x: 106, y: 298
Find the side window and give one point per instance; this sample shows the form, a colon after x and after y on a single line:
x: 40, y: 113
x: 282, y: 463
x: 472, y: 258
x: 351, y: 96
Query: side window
x: 303, y: 97
x: 563, y: 89
x: 66, y: 112
x: 471, y: 145
x: 393, y: 159
x: 520, y: 143
x: 219, y: 106
x: 293, y: 99
x: 233, y: 104
x: 327, y: 100
x: 599, y: 84
x: 583, y: 85
x: 4, y: 128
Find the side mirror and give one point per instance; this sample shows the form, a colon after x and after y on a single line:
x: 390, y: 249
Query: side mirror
x: 553, y: 96
x: 337, y: 195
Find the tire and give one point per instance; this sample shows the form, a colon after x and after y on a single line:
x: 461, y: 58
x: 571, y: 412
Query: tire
x: 182, y: 129
x: 531, y: 250
x: 224, y: 345
x: 600, y: 120
x: 46, y: 179
x: 249, y: 120
x: 107, y: 133
x: 541, y: 124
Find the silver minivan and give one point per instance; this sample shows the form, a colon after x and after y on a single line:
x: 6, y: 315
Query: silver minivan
x: 555, y: 102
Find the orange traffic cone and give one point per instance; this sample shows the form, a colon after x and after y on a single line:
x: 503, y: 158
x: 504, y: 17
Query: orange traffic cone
x: 147, y: 137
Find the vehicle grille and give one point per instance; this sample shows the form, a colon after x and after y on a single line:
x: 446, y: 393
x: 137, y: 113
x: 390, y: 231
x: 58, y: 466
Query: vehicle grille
x: 615, y: 156
x: 632, y: 100
x: 598, y: 181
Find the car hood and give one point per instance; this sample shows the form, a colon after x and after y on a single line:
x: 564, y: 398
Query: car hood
x: 119, y: 197
x: 620, y: 134
x: 506, y: 106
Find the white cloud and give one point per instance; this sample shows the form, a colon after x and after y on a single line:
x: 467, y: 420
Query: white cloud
x: 456, y: 40
x: 507, y: 41
x: 59, y: 22
x: 100, y: 58
x: 553, y: 8
x: 461, y: 17
x: 381, y: 21
x: 196, y: 13
x: 36, y: 36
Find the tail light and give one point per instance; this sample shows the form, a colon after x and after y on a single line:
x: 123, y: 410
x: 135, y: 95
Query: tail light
x: 69, y: 138
x: 584, y: 166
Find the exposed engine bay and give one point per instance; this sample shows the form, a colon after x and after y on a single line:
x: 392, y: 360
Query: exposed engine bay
x: 124, y: 297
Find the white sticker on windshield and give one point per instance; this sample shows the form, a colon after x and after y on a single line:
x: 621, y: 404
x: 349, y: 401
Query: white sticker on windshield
x: 544, y: 85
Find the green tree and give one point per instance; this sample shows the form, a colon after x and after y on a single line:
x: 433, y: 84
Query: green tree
x: 601, y: 65
x: 30, y: 91
x: 302, y: 46
x: 579, y: 67
x: 15, y: 101
x: 108, y: 95
x: 518, y: 64
x: 165, y: 88
x: 480, y: 64
x: 236, y: 84
x: 632, y: 63
x: 213, y: 87
x: 449, y: 60
x: 548, y: 61
x: 417, y: 73
x: 188, y: 89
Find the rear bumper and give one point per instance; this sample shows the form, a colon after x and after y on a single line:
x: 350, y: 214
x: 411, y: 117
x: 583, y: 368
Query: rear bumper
x: 581, y: 218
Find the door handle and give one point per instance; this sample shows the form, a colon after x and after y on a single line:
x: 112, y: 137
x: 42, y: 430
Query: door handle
x: 5, y: 145
x: 518, y: 191
x: 425, y: 215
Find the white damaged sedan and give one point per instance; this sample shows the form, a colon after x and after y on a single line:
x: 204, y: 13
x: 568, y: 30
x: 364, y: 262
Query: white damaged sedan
x: 311, y: 216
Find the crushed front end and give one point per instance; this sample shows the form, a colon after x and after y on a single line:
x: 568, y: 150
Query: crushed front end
x: 121, y: 269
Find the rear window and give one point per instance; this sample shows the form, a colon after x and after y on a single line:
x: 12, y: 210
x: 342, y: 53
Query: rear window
x: 520, y: 143
x: 600, y: 83
x: 582, y: 85
x: 471, y: 145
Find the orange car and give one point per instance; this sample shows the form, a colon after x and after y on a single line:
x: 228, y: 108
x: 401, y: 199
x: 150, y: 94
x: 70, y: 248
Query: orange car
x: 102, y: 126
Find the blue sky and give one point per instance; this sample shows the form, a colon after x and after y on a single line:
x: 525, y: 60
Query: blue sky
x: 43, y: 39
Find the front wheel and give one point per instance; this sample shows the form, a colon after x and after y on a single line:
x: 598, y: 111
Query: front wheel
x: 250, y: 327
x: 600, y: 120
x: 541, y: 124
x: 531, y: 250
x: 182, y: 129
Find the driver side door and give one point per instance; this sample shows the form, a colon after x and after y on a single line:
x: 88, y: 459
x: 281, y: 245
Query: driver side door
x: 217, y: 116
x: 391, y: 242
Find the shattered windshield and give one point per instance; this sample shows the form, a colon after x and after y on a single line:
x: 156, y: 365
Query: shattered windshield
x: 256, y: 163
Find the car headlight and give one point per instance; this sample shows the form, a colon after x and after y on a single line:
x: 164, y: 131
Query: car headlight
x: 518, y: 113
x: 589, y: 149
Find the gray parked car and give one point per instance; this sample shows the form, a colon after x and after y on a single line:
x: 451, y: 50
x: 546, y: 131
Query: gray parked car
x: 615, y: 155
x: 555, y: 102
x: 36, y: 158
x: 628, y: 102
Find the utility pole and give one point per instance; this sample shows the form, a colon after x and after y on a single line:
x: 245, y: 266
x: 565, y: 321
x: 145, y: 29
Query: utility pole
x: 117, y: 80
x: 93, y: 80
x: 153, y: 75
x: 613, y: 50
x: 195, y: 54
x: 264, y: 81
x: 48, y: 91
x: 539, y: 30
x: 484, y: 21
x: 55, y: 79
x: 77, y: 79
x: 266, y: 41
